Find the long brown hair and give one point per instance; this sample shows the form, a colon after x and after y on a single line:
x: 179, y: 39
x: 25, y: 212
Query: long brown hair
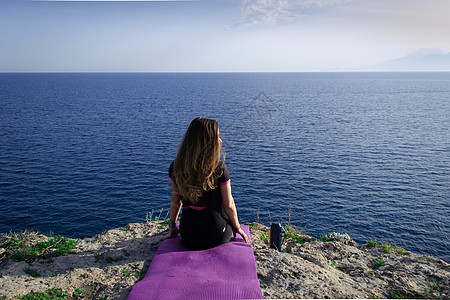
x: 198, y: 157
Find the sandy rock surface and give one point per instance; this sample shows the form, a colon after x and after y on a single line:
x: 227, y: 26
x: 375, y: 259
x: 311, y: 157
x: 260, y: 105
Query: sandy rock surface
x: 103, y: 267
x: 108, y: 265
x: 316, y: 269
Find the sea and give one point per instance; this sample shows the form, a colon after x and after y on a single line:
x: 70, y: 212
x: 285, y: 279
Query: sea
x: 366, y: 154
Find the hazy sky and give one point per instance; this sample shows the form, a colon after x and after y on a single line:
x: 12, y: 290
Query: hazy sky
x: 216, y: 35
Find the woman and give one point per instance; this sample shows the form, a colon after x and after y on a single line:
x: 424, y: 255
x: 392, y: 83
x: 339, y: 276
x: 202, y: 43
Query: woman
x: 201, y: 185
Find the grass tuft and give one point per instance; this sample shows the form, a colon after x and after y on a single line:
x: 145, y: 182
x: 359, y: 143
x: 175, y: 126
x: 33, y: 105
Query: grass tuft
x: 436, y: 285
x: 152, y: 217
x: 15, y: 242
x: 379, y: 262
x: 54, y: 246
x: 371, y: 244
x: 387, y: 248
x: 79, y: 292
x: 401, y: 251
x: 125, y: 272
x: 296, y: 238
x: 397, y: 295
x: 293, y: 233
x: 264, y: 236
x: 52, y: 294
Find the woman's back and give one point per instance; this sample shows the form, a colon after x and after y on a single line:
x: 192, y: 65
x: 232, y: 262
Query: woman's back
x: 201, y: 186
x: 204, y: 223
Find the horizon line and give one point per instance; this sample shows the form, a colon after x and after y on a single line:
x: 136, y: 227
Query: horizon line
x: 198, y: 72
x: 112, y: 0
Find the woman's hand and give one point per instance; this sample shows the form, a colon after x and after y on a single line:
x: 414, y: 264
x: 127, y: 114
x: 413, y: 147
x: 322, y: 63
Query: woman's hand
x: 175, y: 207
x: 241, y: 233
x: 173, y: 232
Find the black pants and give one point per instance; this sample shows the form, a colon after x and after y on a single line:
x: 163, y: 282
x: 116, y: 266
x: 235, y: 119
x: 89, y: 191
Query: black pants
x: 204, y: 229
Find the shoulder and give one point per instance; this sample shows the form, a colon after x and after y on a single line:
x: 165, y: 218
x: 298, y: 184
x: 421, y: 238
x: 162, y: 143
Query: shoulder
x: 221, y: 167
x: 222, y: 172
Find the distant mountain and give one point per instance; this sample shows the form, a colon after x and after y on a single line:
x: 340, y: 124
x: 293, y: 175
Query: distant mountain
x: 429, y: 59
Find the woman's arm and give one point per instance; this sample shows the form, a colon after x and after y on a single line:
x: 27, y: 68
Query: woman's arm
x: 230, y: 210
x: 175, y: 207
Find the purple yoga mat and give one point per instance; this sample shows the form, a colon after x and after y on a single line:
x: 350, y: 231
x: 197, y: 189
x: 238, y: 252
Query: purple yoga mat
x: 227, y: 271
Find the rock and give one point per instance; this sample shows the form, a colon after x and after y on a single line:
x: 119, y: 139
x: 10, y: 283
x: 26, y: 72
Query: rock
x: 109, y: 264
x: 340, y: 270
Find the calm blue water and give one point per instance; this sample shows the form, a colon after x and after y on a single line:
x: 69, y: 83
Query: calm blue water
x: 363, y: 153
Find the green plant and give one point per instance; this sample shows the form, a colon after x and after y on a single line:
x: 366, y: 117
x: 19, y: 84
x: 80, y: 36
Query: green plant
x: 379, y: 262
x: 125, y: 272
x: 123, y: 229
x: 52, y: 294
x: 332, y: 265
x: 335, y: 267
x: 79, y: 292
x: 257, y: 216
x: 54, y: 246
x: 165, y: 222
x: 397, y: 295
x: 295, y: 237
x: 15, y: 242
x: 387, y: 248
x: 31, y: 272
x: 139, y: 275
x: 401, y: 251
x: 436, y: 285
x: 264, y: 236
x: 371, y: 244
x: 292, y: 232
x: 150, y: 218
x: 270, y: 218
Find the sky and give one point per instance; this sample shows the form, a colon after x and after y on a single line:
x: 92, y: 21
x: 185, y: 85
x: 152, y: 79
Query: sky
x: 215, y: 35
